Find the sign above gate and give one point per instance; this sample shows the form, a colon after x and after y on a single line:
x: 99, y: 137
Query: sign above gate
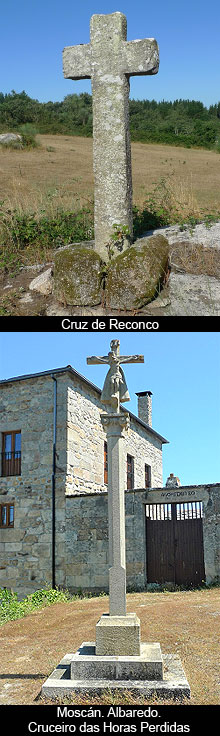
x: 177, y: 494
x: 182, y: 494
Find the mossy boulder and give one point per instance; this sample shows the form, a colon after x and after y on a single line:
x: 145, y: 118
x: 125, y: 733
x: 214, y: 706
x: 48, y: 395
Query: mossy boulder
x: 134, y: 276
x: 78, y: 276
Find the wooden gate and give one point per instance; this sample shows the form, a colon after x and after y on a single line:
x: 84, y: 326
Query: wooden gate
x: 174, y: 537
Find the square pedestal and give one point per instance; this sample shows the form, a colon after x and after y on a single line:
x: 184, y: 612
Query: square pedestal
x: 118, y: 636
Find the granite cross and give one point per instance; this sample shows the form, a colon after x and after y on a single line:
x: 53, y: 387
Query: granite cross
x: 109, y: 60
x: 115, y: 425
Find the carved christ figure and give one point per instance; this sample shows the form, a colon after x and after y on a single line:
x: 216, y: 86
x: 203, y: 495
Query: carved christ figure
x: 115, y: 388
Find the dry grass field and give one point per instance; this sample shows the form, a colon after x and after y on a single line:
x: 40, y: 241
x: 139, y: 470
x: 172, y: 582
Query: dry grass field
x: 59, y: 173
x: 56, y: 180
x: 185, y: 623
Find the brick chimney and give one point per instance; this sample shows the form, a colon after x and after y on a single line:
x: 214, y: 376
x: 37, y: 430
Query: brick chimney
x: 145, y: 406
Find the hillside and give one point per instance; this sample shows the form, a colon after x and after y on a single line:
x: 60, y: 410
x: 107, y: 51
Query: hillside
x: 185, y: 123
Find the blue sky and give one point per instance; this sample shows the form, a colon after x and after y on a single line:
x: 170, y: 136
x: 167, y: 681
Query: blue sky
x: 181, y: 369
x: 34, y: 33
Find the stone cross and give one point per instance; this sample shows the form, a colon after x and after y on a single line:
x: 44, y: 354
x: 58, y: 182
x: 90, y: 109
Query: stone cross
x: 115, y: 388
x: 109, y: 60
x: 116, y: 424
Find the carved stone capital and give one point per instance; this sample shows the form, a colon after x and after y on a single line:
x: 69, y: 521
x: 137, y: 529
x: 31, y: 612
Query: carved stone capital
x: 115, y: 424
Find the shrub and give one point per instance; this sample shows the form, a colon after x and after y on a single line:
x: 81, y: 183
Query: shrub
x: 28, y: 133
x: 24, y: 229
x: 11, y: 608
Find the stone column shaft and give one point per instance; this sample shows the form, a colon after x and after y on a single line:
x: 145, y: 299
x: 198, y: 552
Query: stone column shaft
x: 111, y: 136
x: 114, y: 425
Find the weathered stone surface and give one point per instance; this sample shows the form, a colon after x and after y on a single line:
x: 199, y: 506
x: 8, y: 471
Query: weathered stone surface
x: 174, y: 684
x: 115, y: 427
x: 207, y: 236
x: 134, y: 276
x: 43, y: 283
x: 192, y: 295
x: 118, y: 636
x: 148, y: 665
x: 78, y: 276
x: 110, y: 60
x: 10, y: 137
x: 26, y: 299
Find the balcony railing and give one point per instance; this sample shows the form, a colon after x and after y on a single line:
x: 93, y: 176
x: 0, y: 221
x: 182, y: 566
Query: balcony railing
x: 11, y: 463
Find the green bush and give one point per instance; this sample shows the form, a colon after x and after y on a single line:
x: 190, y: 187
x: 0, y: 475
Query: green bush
x: 24, y: 229
x: 28, y: 133
x: 11, y: 608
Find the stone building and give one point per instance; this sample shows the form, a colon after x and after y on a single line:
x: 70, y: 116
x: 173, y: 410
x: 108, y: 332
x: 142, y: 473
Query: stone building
x: 54, y: 450
x: 53, y: 494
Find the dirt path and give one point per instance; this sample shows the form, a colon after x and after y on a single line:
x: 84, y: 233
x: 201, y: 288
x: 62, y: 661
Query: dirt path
x: 185, y: 623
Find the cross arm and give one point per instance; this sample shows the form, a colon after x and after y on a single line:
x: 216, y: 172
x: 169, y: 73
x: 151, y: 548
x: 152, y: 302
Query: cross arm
x: 131, y: 359
x: 77, y: 61
x: 95, y: 360
x: 140, y: 57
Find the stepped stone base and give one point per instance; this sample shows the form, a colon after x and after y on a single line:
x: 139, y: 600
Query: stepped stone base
x: 138, y: 675
x: 147, y: 666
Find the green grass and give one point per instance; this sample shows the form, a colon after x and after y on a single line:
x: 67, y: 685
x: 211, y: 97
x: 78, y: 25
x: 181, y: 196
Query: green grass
x: 11, y: 608
x: 31, y: 237
x: 27, y: 236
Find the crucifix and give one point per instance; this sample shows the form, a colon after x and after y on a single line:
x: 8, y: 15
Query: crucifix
x: 110, y: 60
x: 115, y: 388
x: 116, y: 424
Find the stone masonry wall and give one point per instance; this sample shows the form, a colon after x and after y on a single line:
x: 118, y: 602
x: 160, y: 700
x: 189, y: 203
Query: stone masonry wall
x: 85, y: 444
x: 87, y: 541
x: 87, y: 535
x: 25, y: 549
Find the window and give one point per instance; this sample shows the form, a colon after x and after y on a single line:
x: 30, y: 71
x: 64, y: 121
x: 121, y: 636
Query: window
x: 130, y: 472
x: 105, y: 463
x: 147, y: 476
x: 11, y: 453
x: 6, y: 515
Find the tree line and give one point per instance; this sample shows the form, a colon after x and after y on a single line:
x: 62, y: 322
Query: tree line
x: 182, y: 122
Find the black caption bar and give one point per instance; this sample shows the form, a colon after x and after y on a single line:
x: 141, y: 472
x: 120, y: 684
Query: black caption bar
x: 111, y: 719
x: 119, y: 323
